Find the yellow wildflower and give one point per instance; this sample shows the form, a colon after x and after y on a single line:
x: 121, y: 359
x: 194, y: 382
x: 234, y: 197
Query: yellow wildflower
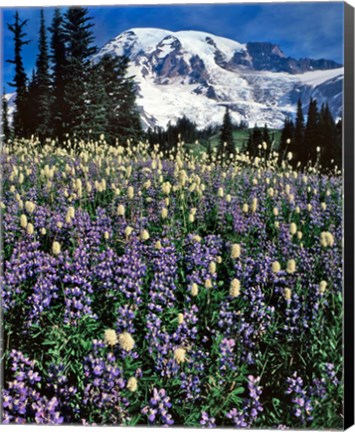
x: 23, y: 221
x: 30, y: 229
x: 322, y: 287
x: 128, y: 231
x: 291, y: 266
x: 287, y: 293
x: 234, y: 290
x: 121, y: 210
x: 179, y: 355
x: 126, y: 341
x: 194, y: 290
x: 130, y: 192
x: 235, y: 251
x: 144, y: 235
x: 164, y: 213
x: 293, y: 228
x: 276, y: 268
x: 111, y: 337
x: 132, y: 384
x: 212, y: 267
x: 56, y: 248
x: 30, y: 206
x: 208, y: 283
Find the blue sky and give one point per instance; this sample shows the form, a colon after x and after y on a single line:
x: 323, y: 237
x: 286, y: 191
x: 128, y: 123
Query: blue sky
x: 301, y: 29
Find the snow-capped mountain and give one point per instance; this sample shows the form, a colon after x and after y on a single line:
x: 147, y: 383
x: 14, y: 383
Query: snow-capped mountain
x: 197, y: 74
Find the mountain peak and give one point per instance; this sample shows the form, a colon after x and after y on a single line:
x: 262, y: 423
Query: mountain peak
x: 197, y: 74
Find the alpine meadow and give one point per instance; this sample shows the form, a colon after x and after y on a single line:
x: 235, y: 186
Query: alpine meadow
x: 171, y: 213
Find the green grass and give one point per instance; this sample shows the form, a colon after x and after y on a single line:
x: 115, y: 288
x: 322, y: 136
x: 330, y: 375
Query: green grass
x: 240, y: 140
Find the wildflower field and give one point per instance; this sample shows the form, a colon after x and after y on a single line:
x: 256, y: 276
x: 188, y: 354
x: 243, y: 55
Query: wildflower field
x: 149, y: 289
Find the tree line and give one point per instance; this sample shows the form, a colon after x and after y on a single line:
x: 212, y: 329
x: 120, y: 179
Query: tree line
x: 317, y: 140
x: 69, y: 93
x: 186, y: 130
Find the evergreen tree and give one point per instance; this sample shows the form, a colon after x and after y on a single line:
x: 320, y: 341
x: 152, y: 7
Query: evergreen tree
x: 226, y: 146
x: 57, y: 57
x: 123, y: 120
x: 266, y: 135
x: 328, y: 137
x: 267, y: 140
x: 31, y: 100
x: 78, y: 42
x: 286, y: 138
x: 43, y: 82
x: 98, y: 100
x: 254, y: 141
x: 311, y: 135
x: 21, y: 113
x: 287, y: 135
x: 297, y: 146
x: 243, y: 125
x: 338, y: 147
x: 209, y: 151
x: 6, y: 131
x: 171, y: 137
x: 186, y: 129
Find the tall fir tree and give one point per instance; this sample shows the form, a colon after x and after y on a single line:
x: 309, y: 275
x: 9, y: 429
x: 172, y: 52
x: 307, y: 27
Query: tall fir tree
x: 312, y: 137
x: 6, y: 130
x: 186, y: 129
x: 338, y: 147
x: 327, y: 137
x: 297, y: 145
x: 78, y: 38
x: 97, y: 100
x: 123, y: 120
x: 57, y: 57
x: 266, y: 135
x: 43, y: 83
x: 254, y: 141
x: 32, y: 98
x: 226, y: 145
x: 267, y: 140
x: 287, y: 135
x: 21, y: 114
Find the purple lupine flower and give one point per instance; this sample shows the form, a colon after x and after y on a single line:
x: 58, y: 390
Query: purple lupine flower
x: 22, y: 400
x: 302, y: 405
x: 67, y: 395
x: 162, y: 297
x: 186, y: 332
x: 246, y: 416
x: 240, y: 418
x: 129, y: 272
x: 198, y: 257
x: 207, y: 421
x: 103, y: 386
x: 227, y: 355
x: 330, y: 373
x: 254, y: 397
x: 78, y: 287
x: 157, y: 411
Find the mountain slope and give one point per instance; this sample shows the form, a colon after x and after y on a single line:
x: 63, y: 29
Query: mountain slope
x: 197, y: 74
